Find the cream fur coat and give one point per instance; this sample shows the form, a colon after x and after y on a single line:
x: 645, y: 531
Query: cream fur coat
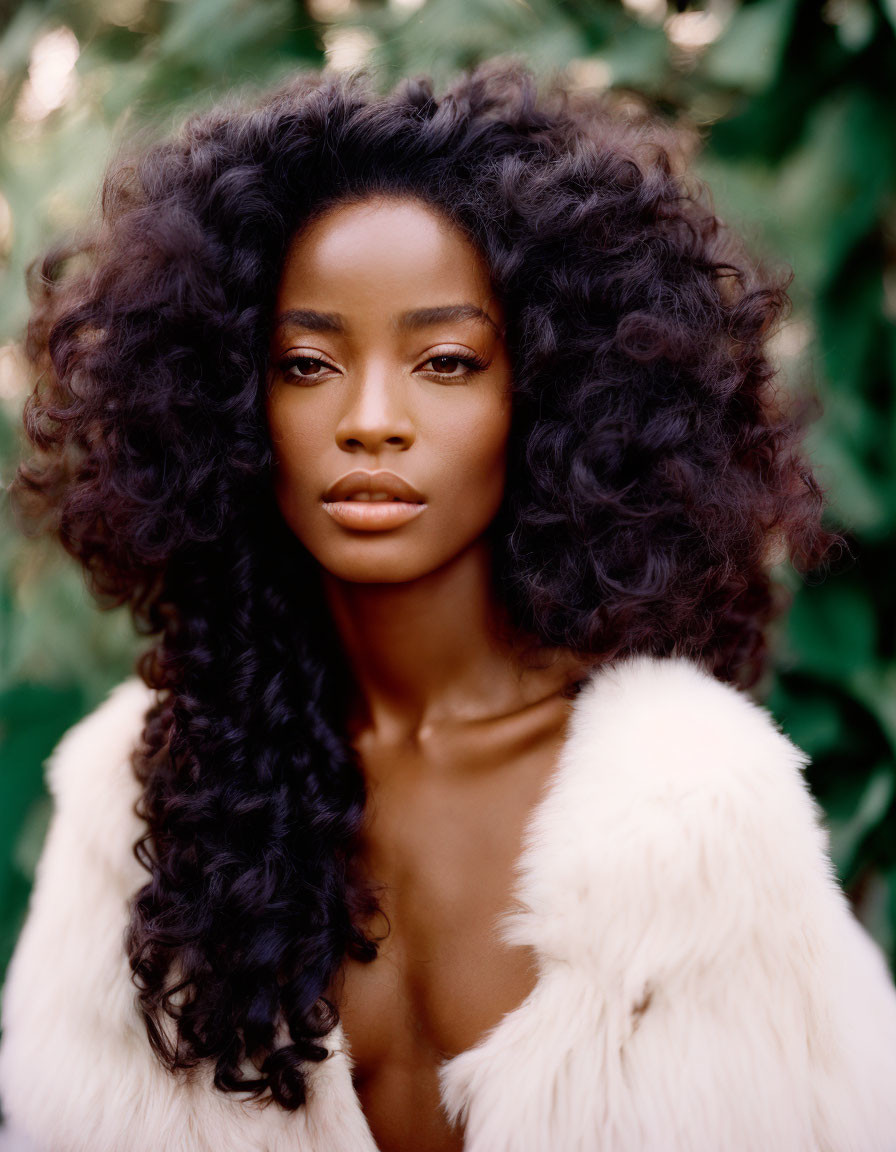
x: 703, y: 985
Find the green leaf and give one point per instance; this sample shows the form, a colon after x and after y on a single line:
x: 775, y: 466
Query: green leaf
x: 748, y: 54
x: 847, y: 834
x: 639, y: 59
x: 856, y: 497
x: 832, y: 630
x: 874, y: 684
x: 813, y: 722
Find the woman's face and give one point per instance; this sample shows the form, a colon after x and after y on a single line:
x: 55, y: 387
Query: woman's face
x: 388, y: 356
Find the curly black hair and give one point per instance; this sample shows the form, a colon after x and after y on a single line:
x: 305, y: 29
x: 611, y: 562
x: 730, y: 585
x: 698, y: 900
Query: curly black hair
x: 653, y: 468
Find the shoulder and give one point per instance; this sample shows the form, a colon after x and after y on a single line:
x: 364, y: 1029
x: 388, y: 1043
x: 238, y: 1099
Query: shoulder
x: 681, y: 734
x: 660, y: 739
x: 674, y: 791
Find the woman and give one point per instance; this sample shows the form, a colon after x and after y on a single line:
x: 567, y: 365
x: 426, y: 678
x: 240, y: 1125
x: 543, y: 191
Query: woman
x: 435, y: 442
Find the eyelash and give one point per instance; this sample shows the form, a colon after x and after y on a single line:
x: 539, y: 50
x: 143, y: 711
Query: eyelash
x: 474, y: 364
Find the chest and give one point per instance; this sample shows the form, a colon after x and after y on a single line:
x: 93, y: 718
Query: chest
x: 442, y: 837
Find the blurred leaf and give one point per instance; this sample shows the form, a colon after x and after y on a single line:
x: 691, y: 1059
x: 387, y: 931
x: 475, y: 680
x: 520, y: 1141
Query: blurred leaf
x: 16, y: 44
x: 434, y: 39
x: 222, y: 37
x: 815, y: 725
x: 859, y: 500
x: 832, y: 630
x: 639, y: 58
x: 875, y: 685
x: 748, y: 54
x: 856, y: 25
x: 847, y: 830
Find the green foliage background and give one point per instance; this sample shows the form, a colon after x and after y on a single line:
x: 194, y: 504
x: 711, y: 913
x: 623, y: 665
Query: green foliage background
x: 794, y: 103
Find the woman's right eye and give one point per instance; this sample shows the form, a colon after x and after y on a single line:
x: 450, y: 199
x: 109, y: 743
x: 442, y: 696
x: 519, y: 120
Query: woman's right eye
x: 301, y: 363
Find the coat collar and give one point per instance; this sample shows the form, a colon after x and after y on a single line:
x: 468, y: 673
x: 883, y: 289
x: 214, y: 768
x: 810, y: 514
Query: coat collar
x: 554, y: 883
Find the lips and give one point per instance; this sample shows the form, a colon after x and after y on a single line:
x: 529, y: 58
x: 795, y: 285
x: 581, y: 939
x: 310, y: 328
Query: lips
x: 344, y: 501
x: 396, y: 487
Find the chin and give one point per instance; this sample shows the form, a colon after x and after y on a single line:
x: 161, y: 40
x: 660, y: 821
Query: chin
x: 373, y: 574
x: 356, y: 568
x: 385, y: 559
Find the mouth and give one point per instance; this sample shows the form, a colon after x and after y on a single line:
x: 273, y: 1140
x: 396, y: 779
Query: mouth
x: 372, y: 501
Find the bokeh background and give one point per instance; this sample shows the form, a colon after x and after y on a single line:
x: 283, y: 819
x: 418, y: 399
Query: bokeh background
x: 790, y: 112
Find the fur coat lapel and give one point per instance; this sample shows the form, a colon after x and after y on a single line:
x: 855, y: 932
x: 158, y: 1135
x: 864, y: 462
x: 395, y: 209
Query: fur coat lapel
x: 703, y: 984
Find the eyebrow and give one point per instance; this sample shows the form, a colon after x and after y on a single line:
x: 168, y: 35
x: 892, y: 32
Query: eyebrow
x: 408, y: 321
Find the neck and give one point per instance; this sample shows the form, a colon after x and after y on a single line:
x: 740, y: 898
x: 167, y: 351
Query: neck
x: 437, y: 650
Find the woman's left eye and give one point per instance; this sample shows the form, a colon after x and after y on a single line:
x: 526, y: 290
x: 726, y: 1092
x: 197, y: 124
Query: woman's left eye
x: 446, y: 363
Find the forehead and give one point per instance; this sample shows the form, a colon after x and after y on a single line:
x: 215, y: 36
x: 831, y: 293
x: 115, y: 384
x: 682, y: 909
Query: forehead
x: 384, y: 252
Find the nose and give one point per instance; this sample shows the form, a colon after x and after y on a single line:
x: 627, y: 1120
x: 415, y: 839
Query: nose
x: 376, y: 414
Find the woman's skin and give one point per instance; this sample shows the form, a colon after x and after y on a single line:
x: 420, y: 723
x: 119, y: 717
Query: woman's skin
x: 456, y: 728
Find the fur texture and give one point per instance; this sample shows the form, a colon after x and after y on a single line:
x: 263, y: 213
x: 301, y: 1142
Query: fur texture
x: 703, y: 985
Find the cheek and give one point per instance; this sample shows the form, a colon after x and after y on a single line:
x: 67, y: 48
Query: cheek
x: 299, y: 428
x: 292, y: 444
x: 476, y: 452
x: 277, y: 415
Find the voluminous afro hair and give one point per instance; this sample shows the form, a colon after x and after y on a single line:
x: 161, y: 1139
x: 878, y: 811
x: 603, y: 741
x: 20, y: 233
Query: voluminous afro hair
x: 654, y: 467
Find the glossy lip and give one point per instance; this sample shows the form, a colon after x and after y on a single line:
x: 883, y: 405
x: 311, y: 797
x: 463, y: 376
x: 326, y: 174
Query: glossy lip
x: 371, y: 515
